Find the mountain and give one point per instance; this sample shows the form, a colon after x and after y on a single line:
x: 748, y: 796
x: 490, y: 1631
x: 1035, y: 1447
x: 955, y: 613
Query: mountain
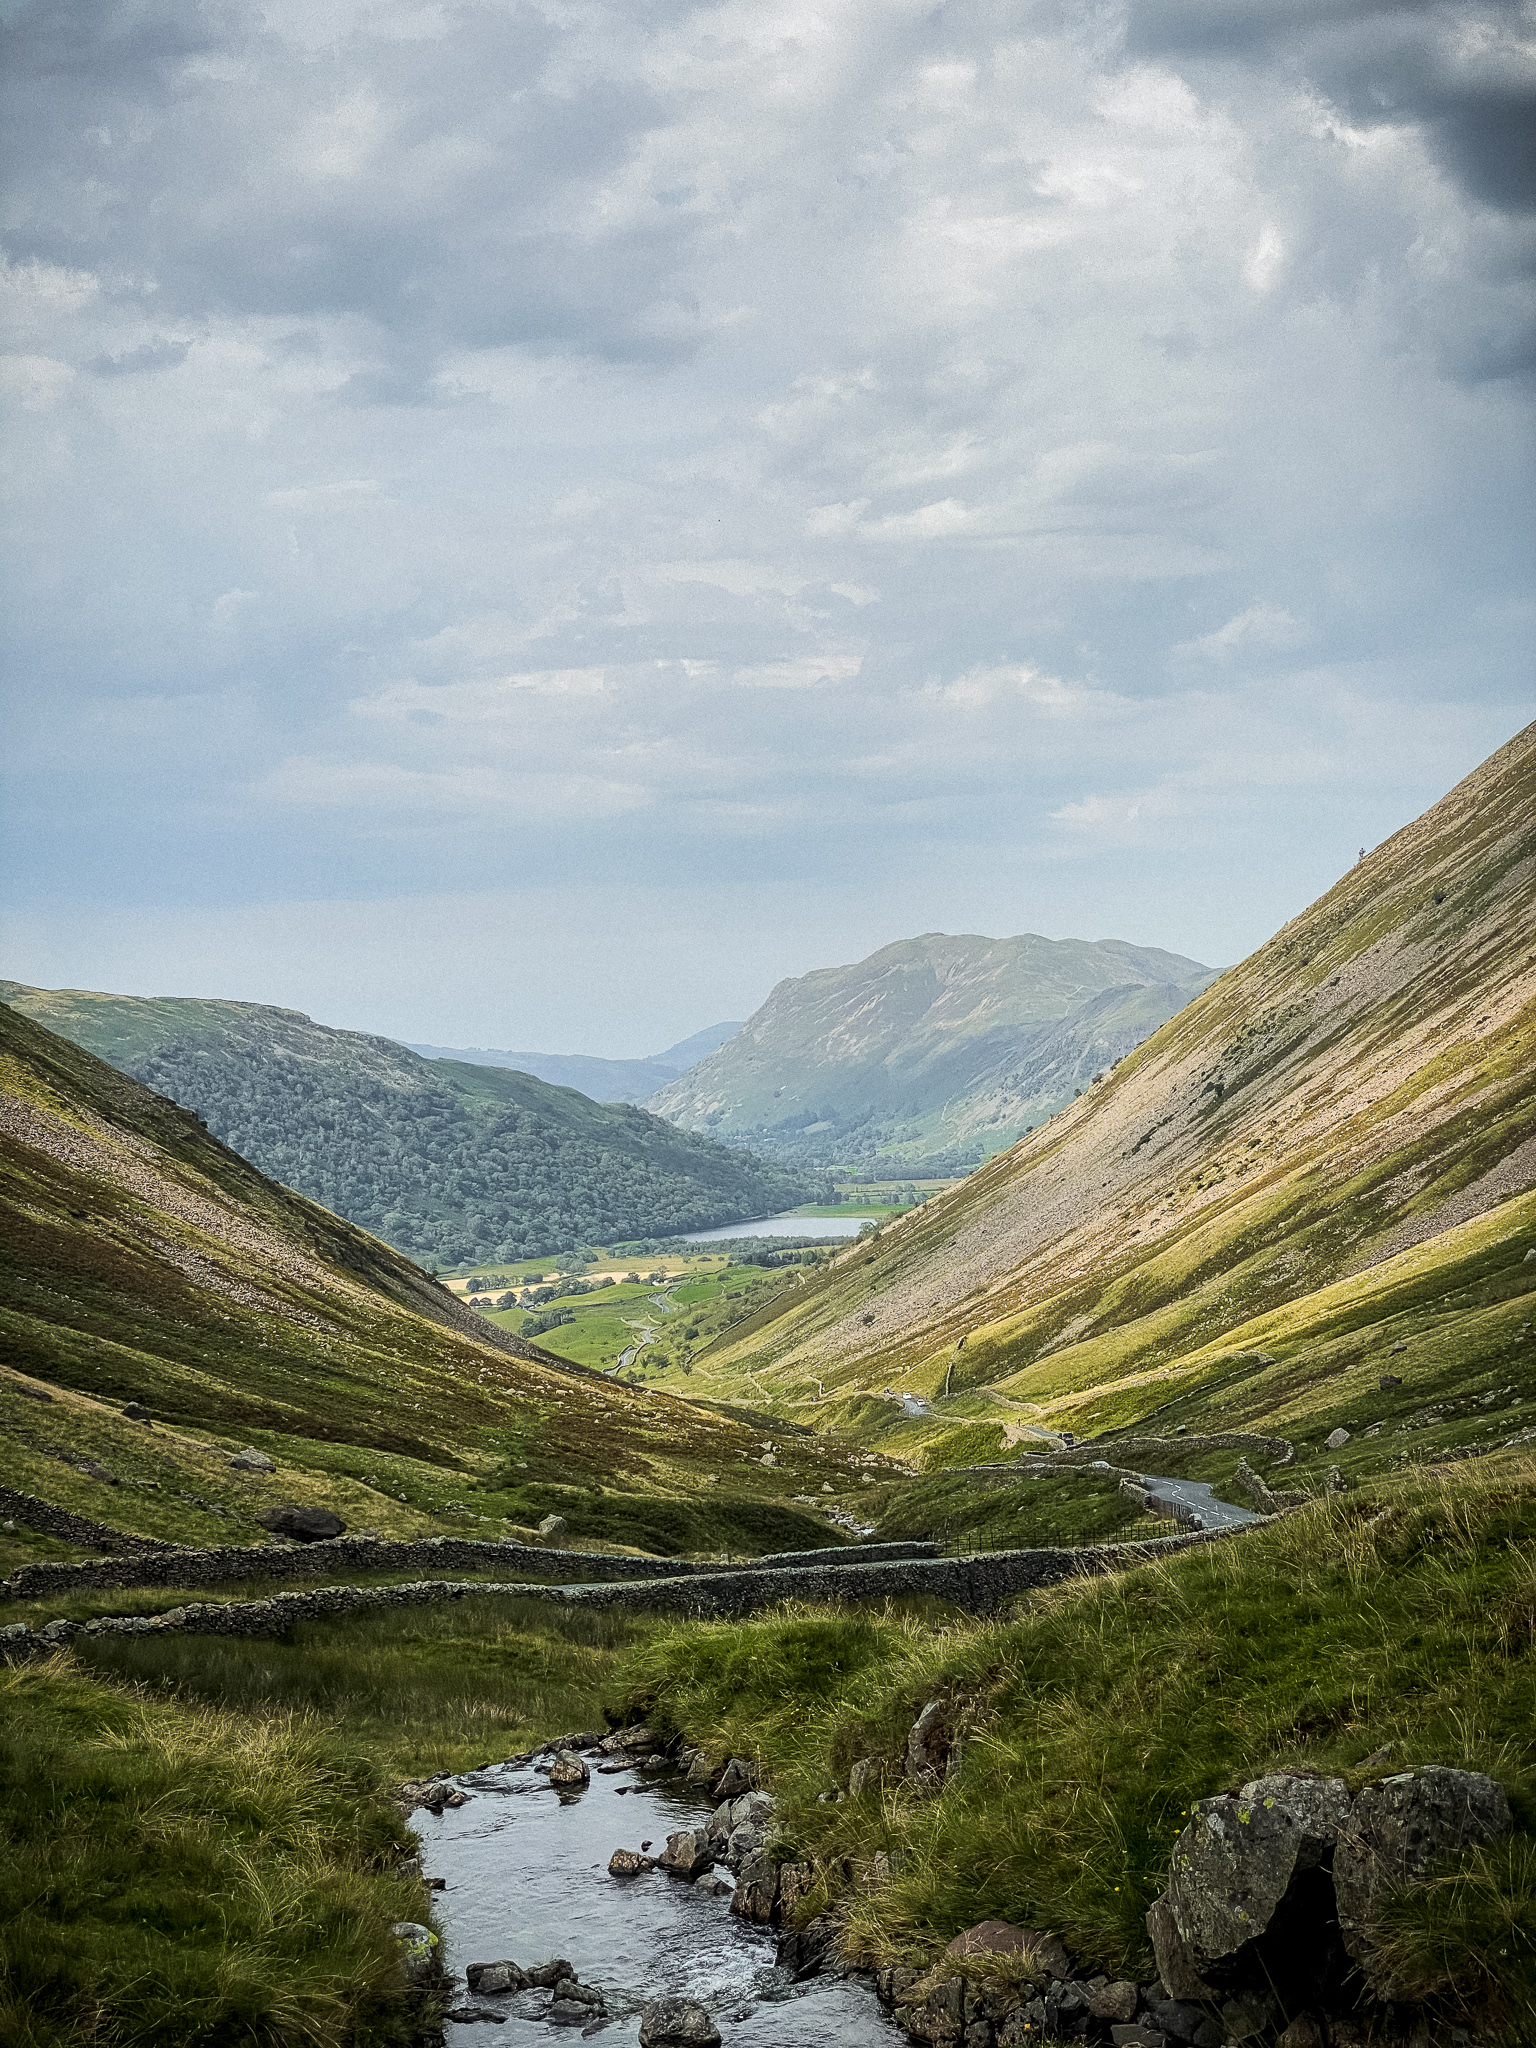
x: 445, y: 1160
x: 936, y: 1051
x: 603, y: 1080
x: 1338, y: 1132
x: 147, y: 1262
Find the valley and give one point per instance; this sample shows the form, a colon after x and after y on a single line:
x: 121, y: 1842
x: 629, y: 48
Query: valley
x: 1283, y: 1247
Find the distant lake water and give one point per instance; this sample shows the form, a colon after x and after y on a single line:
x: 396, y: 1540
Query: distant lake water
x: 784, y: 1226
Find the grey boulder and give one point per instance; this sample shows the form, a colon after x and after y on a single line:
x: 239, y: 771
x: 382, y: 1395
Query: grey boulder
x: 629, y: 1863
x: 687, y: 1854
x: 568, y: 1770
x: 927, y: 1742
x: 504, y: 1976
x: 1233, y: 1865
x: 1402, y: 1828
x: 304, y: 1525
x: 249, y: 1459
x: 553, y: 1527
x: 677, y: 2023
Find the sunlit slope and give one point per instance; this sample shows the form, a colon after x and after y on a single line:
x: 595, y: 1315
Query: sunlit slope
x: 1360, y: 1085
x: 146, y: 1261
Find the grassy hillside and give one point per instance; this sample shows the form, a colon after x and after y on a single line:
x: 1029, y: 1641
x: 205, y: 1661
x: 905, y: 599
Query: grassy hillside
x: 1325, y: 1156
x: 149, y: 1262
x: 1361, y: 1636
x: 934, y: 1048
x: 448, y: 1160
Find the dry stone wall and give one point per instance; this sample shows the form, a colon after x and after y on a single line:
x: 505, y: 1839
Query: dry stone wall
x: 170, y: 1565
x: 976, y: 1584
x: 49, y: 1520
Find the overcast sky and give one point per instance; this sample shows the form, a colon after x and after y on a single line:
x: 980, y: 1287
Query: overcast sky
x: 529, y: 522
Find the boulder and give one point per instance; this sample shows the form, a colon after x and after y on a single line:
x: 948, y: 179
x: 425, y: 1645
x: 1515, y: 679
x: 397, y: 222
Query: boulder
x: 553, y: 1527
x: 547, y: 1975
x: 504, y: 1976
x: 677, y: 2023
x: 93, y: 1468
x: 700, y: 1770
x: 927, y: 1742
x: 468, y: 2015
x: 1336, y: 1439
x: 713, y: 1887
x: 304, y: 1525
x: 1042, y: 1953
x: 568, y: 1770
x: 735, y: 1779
x: 628, y: 1742
x: 687, y: 1854
x: 1401, y: 1828
x: 865, y: 1772
x: 1232, y: 1867
x: 418, y: 1949
x: 135, y: 1411
x: 248, y: 1459
x: 629, y: 1863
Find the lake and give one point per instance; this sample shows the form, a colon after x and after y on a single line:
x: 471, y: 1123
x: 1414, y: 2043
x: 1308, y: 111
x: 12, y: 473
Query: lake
x: 784, y: 1226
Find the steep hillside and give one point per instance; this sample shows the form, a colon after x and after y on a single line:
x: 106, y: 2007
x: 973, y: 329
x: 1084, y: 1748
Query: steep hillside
x: 147, y: 1262
x: 447, y: 1161
x: 1357, y: 1098
x: 603, y: 1080
x: 935, y: 1051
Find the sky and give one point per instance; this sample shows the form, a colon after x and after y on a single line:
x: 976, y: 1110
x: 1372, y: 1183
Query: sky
x: 527, y: 523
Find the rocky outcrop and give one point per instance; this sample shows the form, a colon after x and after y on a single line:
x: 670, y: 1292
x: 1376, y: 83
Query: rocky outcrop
x: 1399, y: 1830
x: 738, y: 1828
x: 302, y: 1524
x: 770, y: 1892
x: 1276, y: 1889
x: 249, y: 1459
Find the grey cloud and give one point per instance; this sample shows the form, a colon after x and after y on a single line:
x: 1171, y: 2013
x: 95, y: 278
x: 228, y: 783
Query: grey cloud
x: 1463, y: 69
x: 409, y: 183
x: 159, y: 354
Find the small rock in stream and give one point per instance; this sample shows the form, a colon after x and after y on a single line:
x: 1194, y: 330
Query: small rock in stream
x: 504, y: 1976
x: 568, y: 1770
x: 466, y: 2015
x: 629, y: 1863
x: 677, y: 2023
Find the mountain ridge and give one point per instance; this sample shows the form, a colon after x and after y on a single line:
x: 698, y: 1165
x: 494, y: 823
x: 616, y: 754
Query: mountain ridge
x: 937, y: 1045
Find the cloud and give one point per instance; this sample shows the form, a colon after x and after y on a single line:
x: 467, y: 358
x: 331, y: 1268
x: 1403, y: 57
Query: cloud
x: 159, y: 353
x: 1262, y: 625
x: 715, y: 441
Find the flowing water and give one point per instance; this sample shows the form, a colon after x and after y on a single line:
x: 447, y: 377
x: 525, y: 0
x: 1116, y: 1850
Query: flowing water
x: 526, y: 1872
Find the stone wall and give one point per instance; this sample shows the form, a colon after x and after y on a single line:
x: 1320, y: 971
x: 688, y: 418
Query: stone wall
x: 977, y: 1584
x: 172, y: 1566
x: 51, y: 1521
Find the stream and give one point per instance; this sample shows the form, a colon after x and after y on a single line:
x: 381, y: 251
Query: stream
x: 526, y: 1878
